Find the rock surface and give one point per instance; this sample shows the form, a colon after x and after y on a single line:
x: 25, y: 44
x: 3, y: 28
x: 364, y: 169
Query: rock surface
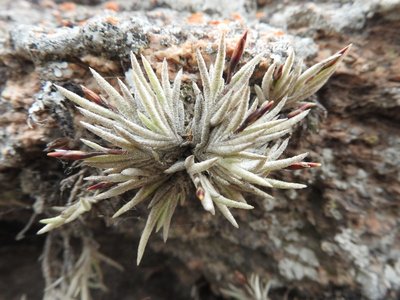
x: 337, y: 239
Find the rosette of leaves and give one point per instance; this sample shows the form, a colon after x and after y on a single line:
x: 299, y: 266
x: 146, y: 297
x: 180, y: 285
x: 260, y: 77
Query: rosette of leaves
x: 226, y: 150
x: 288, y: 81
x: 76, y: 275
x: 253, y: 289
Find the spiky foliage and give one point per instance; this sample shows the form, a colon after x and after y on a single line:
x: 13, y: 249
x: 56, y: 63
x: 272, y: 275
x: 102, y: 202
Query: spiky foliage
x: 288, y: 81
x: 74, y: 278
x: 227, y: 149
x: 254, y: 289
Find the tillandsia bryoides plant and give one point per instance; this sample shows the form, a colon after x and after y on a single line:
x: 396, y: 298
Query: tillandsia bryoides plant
x: 254, y: 288
x: 224, y: 150
x: 76, y: 275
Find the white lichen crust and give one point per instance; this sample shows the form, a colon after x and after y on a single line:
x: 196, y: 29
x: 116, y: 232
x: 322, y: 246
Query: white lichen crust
x: 226, y: 151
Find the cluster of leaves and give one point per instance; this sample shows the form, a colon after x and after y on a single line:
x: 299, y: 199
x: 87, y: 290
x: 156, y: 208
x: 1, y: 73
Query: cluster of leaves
x: 253, y: 289
x: 74, y: 278
x: 227, y: 150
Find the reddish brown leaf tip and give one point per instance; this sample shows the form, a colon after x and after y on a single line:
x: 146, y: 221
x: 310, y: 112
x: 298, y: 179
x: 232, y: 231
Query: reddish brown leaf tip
x: 54, y: 154
x: 341, y: 53
x: 98, y: 99
x: 301, y: 109
x: 72, y: 154
x: 116, y: 151
x: 92, y: 96
x: 303, y: 165
x: 254, y: 116
x: 99, y: 186
x: 236, y: 56
x: 345, y: 50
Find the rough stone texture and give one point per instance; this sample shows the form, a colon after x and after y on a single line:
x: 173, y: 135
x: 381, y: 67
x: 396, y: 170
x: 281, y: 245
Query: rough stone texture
x: 338, y: 239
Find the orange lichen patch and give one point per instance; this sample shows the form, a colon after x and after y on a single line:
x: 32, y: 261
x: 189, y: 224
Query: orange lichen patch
x: 101, y: 64
x: 67, y: 6
x: 218, y: 22
x: 177, y: 56
x: 237, y: 17
x: 270, y: 35
x: 214, y: 22
x: 174, y: 54
x: 260, y: 15
x: 19, y: 92
x: 111, y: 5
x: 59, y: 17
x: 196, y: 18
x: 279, y: 33
x: 183, y: 55
x: 112, y: 20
